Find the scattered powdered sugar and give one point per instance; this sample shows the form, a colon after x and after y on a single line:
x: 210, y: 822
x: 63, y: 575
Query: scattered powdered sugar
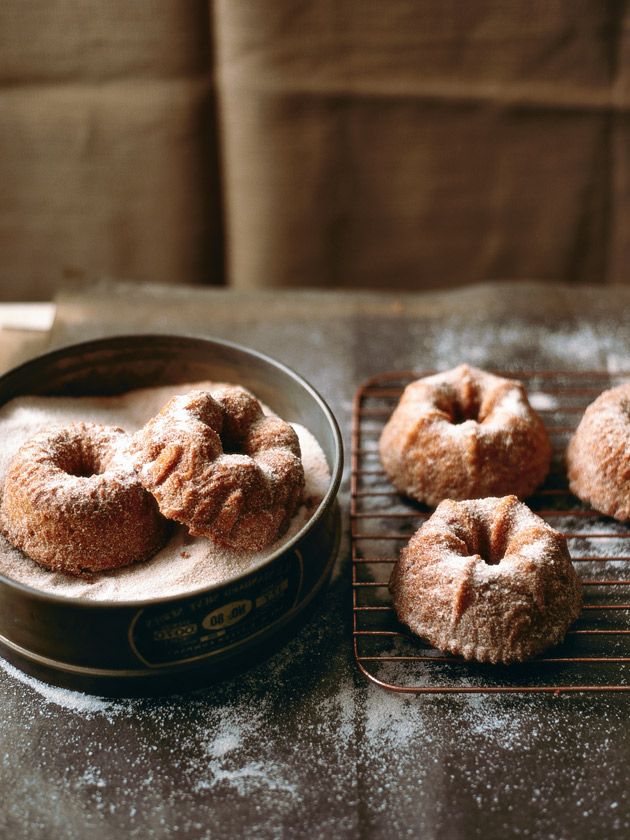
x: 321, y: 757
x: 265, y: 747
x: 186, y: 563
x: 469, y: 428
x: 75, y: 701
x: 542, y: 402
x: 512, y: 403
x: 509, y: 343
x: 219, y: 745
x: 248, y: 749
x: 470, y: 761
x: 359, y: 761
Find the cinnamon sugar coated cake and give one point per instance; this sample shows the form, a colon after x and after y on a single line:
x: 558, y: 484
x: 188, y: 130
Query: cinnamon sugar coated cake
x: 598, y: 455
x: 186, y: 562
x: 73, y: 502
x: 464, y: 434
x: 218, y: 464
x: 487, y: 579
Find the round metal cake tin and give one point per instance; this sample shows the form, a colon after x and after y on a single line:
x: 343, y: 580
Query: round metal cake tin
x: 119, y: 648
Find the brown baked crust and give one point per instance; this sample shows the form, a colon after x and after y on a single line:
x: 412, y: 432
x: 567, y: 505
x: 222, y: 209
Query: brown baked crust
x: 487, y: 579
x: 216, y: 463
x: 598, y: 454
x: 73, y: 502
x: 464, y: 434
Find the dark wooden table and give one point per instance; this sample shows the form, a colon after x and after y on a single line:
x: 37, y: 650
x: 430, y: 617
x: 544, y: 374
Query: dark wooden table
x: 301, y: 745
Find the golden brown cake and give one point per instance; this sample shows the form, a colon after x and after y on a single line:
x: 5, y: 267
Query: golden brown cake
x: 464, y: 434
x: 219, y: 465
x: 73, y: 502
x: 487, y: 579
x: 598, y: 455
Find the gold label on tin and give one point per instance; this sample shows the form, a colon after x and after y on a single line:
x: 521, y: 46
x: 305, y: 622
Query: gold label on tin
x: 199, y: 626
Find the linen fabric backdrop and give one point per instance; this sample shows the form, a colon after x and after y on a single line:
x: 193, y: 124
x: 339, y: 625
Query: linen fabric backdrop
x: 400, y: 144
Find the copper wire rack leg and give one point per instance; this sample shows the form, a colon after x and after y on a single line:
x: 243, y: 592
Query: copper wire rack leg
x: 595, y: 655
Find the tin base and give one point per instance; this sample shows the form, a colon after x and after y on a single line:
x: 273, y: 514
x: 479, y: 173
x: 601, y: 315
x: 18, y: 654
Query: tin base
x: 196, y: 672
x: 164, y: 645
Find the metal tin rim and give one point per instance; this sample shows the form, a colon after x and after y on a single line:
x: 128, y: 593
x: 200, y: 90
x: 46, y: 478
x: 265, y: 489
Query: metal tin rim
x: 336, y: 467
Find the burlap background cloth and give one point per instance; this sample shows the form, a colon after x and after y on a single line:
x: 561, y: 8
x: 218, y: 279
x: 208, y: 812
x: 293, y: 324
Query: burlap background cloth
x: 402, y: 144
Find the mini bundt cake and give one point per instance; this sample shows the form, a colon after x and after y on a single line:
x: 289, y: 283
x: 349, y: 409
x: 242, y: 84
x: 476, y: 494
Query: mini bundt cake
x: 464, y: 434
x: 73, y: 502
x: 598, y: 455
x: 487, y: 579
x: 219, y: 465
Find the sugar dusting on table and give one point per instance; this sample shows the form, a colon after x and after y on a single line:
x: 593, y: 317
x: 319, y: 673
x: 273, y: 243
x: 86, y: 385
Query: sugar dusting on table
x: 186, y: 563
x: 236, y: 744
x: 234, y: 747
x: 233, y: 741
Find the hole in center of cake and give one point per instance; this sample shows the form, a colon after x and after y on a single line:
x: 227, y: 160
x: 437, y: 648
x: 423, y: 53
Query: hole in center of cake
x: 84, y: 462
x: 80, y: 469
x: 487, y: 549
x: 462, y: 411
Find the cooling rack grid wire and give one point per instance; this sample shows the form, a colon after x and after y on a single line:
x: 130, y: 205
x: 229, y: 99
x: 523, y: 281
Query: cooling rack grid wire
x: 595, y: 655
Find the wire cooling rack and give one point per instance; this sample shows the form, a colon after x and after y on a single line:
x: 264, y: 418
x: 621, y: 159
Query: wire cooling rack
x: 595, y: 655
